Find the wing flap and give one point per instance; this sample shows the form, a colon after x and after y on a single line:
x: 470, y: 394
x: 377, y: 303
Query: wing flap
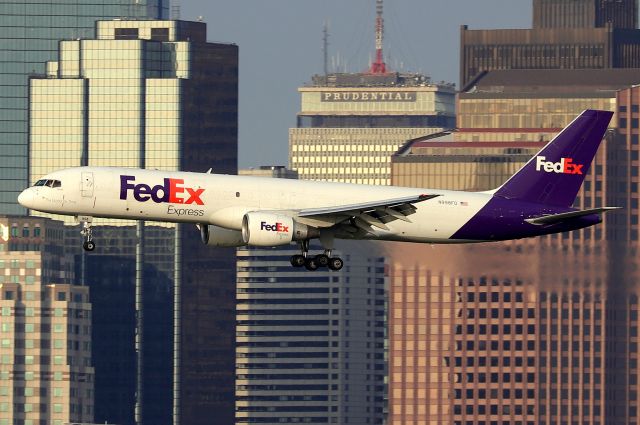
x: 557, y: 218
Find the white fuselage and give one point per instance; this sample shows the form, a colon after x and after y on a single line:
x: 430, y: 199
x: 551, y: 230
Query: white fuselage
x: 223, y: 200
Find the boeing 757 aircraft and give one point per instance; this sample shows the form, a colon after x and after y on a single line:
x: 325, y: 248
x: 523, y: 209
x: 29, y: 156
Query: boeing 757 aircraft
x: 242, y: 210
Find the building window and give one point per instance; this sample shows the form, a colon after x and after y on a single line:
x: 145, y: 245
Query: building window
x: 25, y: 232
x: 126, y: 33
x: 160, y: 34
x: 36, y: 231
x: 14, y: 231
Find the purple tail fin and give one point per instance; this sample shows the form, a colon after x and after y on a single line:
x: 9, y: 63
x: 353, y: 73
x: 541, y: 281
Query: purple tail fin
x: 555, y: 174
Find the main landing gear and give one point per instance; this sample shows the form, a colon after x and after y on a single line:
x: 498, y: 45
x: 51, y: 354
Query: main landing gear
x: 313, y: 263
x: 89, y: 244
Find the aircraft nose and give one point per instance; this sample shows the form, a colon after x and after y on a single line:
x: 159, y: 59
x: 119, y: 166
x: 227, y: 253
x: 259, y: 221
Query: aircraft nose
x: 26, y: 198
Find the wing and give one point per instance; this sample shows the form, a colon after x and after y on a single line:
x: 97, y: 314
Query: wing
x: 365, y: 215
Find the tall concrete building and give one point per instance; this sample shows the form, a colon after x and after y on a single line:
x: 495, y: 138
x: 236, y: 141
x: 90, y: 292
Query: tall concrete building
x: 585, y: 14
x: 310, y: 346
x: 626, y: 166
x: 439, y: 161
x: 350, y: 124
x: 152, y: 94
x: 46, y: 373
x: 29, y: 36
x: 537, y: 331
x: 575, y: 34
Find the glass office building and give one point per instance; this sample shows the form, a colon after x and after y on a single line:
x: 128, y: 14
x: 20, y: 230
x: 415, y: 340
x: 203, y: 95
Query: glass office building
x: 153, y: 94
x: 29, y: 36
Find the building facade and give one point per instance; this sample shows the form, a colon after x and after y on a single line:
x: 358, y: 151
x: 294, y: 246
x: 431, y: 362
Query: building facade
x: 440, y: 161
x: 152, y: 94
x: 29, y: 36
x: 585, y: 14
x: 577, y: 34
x: 46, y: 372
x: 546, y: 341
x: 350, y: 124
x: 626, y: 165
x: 533, y: 331
x: 310, y: 346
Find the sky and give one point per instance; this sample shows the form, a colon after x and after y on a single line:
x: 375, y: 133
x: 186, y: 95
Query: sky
x: 280, y: 43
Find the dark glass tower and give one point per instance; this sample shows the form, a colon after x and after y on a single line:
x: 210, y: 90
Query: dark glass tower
x: 29, y: 36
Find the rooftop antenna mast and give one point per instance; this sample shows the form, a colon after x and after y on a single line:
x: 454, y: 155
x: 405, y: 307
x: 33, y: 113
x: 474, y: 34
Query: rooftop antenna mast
x: 378, y: 66
x: 325, y: 47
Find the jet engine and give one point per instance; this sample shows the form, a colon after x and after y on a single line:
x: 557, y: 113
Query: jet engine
x: 268, y: 229
x: 219, y: 236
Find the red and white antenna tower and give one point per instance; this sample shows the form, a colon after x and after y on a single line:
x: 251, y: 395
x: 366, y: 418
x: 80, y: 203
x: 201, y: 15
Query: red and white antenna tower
x: 378, y: 66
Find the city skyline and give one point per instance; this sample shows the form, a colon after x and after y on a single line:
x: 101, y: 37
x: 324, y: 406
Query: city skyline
x: 281, y: 49
x: 526, y: 332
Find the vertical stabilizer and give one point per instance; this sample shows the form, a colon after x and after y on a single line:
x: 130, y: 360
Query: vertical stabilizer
x: 554, y: 175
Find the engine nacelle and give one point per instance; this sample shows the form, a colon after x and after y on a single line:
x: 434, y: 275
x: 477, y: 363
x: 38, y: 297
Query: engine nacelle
x: 267, y: 229
x: 219, y: 236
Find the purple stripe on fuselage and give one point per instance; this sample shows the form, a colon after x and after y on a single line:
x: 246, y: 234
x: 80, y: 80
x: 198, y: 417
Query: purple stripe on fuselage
x: 503, y: 219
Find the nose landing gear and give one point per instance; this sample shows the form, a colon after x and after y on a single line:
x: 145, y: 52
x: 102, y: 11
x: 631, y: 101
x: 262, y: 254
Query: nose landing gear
x: 86, y: 232
x: 313, y: 263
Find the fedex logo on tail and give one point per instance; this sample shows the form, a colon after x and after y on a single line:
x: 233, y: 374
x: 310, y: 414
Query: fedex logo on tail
x: 277, y: 227
x: 565, y: 166
x: 172, y: 191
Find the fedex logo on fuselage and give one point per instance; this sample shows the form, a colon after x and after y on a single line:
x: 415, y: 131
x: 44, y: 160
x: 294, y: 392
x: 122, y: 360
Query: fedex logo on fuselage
x: 565, y: 166
x: 172, y: 191
x: 277, y: 227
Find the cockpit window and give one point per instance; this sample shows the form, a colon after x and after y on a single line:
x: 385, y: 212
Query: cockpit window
x: 49, y: 183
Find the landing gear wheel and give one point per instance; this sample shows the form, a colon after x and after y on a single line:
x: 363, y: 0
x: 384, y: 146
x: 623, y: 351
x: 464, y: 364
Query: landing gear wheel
x: 335, y: 263
x: 87, y: 233
x: 297, y: 260
x: 311, y: 264
x: 322, y: 260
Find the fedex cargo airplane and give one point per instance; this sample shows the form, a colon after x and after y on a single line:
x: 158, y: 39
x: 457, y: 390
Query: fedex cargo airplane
x: 241, y: 210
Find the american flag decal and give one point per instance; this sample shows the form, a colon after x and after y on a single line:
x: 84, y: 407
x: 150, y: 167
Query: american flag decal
x: 464, y: 204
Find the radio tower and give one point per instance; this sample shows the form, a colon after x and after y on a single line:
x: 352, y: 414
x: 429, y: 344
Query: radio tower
x: 378, y: 66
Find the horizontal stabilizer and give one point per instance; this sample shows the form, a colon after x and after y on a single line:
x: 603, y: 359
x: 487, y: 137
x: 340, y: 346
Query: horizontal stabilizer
x: 557, y: 218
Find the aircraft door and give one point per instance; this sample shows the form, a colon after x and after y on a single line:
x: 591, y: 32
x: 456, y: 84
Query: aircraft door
x: 86, y: 186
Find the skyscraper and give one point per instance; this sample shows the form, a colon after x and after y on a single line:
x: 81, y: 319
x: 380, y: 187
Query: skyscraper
x: 46, y: 373
x: 349, y: 125
x: 154, y: 94
x: 29, y: 36
x: 585, y: 14
x: 310, y: 346
x: 575, y: 34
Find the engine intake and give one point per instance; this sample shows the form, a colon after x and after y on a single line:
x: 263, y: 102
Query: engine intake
x: 266, y: 229
x: 219, y: 236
